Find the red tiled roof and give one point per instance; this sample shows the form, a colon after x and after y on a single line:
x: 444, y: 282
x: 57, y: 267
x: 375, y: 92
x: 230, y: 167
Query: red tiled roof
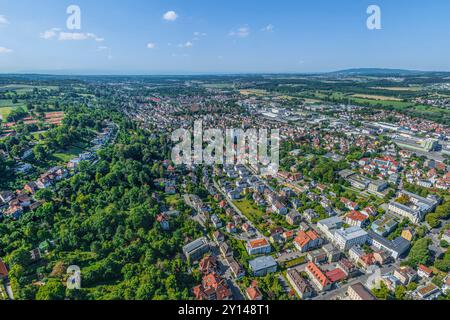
x: 318, y: 274
x: 3, y: 269
x: 356, y: 216
x: 253, y: 293
x: 336, y: 275
x: 425, y: 269
x: 258, y: 243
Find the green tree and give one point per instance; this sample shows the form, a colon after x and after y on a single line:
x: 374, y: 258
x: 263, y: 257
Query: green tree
x: 52, y: 290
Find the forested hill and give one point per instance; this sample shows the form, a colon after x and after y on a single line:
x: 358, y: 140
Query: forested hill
x: 103, y: 220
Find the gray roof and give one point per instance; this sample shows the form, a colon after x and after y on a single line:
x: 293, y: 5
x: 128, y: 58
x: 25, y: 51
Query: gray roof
x: 194, y: 245
x: 399, y: 245
x: 331, y: 223
x: 261, y: 263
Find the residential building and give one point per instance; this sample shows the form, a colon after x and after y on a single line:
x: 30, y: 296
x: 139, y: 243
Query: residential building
x: 263, y: 265
x: 213, y: 287
x: 317, y: 256
x: 318, y: 277
x: 300, y: 285
x: 355, y: 253
x: 308, y: 240
x: 236, y: 269
x: 293, y: 218
x: 253, y: 293
x: 347, y: 238
x: 384, y: 226
x: 397, y: 247
x: 424, y: 272
x: 377, y: 186
x: 333, y: 254
x: 258, y: 246
x: 416, y: 208
x: 358, y: 291
x: 405, y: 275
x: 349, y: 268
x: 428, y: 292
x: 356, y: 219
x: 329, y: 226
x: 195, y: 250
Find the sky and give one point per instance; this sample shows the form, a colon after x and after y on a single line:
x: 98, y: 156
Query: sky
x: 221, y: 36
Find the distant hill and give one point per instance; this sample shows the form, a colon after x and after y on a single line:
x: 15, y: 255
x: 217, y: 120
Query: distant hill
x: 378, y: 72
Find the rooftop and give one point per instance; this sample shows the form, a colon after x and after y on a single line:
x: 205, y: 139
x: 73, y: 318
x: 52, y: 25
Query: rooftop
x: 261, y: 263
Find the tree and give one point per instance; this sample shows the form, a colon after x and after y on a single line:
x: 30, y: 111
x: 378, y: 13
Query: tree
x: 433, y: 220
x: 419, y: 253
x: 382, y: 293
x: 44, y: 194
x: 40, y: 152
x: 52, y: 290
x: 400, y: 292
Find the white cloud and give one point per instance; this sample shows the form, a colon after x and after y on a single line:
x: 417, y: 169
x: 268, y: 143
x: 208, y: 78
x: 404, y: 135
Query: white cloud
x: 199, y: 34
x: 170, y: 16
x: 66, y: 36
x: 268, y: 28
x: 242, y: 32
x: 3, y: 19
x: 49, y: 34
x: 102, y: 48
x: 188, y: 44
x: 78, y: 36
x: 151, y: 45
x: 5, y: 50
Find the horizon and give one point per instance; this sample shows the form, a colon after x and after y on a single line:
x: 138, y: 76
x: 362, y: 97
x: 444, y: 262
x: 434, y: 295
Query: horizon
x: 188, y: 38
x: 67, y: 73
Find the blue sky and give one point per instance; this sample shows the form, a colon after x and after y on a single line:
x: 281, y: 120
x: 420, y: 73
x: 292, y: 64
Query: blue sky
x: 222, y: 36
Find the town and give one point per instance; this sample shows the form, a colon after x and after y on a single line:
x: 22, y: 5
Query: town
x: 358, y: 209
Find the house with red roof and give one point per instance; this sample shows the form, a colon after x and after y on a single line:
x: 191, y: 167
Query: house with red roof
x: 258, y: 246
x: 306, y: 241
x: 424, y: 272
x: 356, y: 219
x: 318, y: 277
x: 3, y: 270
x: 253, y: 293
x: 336, y: 275
x: 213, y: 287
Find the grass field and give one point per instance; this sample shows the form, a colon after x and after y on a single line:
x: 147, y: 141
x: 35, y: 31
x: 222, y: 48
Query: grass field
x: 4, y: 112
x: 398, y: 88
x: 67, y: 155
x: 375, y: 97
x: 218, y: 85
x: 255, y: 92
x: 24, y: 88
x: 6, y: 106
x: 249, y: 209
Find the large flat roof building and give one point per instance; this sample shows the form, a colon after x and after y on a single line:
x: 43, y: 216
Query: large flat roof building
x: 347, y: 238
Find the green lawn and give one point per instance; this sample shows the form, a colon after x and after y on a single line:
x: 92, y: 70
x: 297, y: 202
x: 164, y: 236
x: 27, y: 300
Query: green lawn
x: 4, y: 112
x: 67, y: 155
x: 6, y: 106
x: 249, y: 209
